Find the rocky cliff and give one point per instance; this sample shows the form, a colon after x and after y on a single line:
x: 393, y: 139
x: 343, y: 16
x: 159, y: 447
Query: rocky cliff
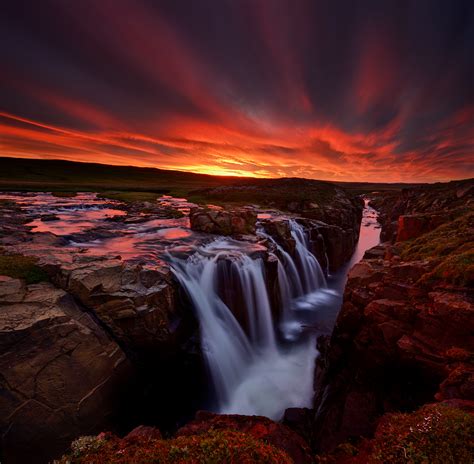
x: 86, y: 329
x: 404, y: 336
x: 413, y: 211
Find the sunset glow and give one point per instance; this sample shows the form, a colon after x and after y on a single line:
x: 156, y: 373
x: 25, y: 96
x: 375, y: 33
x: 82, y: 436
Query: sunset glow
x: 259, y: 88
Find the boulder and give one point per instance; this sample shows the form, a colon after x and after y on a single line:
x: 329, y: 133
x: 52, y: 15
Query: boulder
x: 137, y: 303
x: 61, y: 374
x: 237, y: 221
x: 145, y: 431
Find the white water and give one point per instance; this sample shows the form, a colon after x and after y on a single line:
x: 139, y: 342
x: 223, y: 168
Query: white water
x: 252, y: 369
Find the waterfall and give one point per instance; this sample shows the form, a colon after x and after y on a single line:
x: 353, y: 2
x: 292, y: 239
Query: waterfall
x: 251, y: 370
x: 312, y: 274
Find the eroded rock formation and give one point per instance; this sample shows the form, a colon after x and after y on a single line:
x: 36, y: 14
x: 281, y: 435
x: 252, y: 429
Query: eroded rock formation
x: 61, y: 373
x: 404, y: 336
x: 235, y: 221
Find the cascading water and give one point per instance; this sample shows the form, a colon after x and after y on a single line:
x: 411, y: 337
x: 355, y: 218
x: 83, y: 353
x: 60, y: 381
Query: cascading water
x: 311, y: 272
x: 252, y: 372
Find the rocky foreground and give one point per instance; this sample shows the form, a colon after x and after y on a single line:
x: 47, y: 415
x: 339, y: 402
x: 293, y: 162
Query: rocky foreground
x: 404, y: 336
x: 394, y: 382
x: 94, y: 342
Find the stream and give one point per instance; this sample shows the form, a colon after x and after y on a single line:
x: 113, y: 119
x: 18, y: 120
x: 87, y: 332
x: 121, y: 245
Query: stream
x: 260, y: 359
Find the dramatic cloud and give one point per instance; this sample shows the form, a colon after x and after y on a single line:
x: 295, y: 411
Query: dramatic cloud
x: 338, y: 90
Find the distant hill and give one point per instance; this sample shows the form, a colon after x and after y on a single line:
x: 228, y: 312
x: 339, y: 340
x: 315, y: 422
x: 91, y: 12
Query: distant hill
x: 60, y: 175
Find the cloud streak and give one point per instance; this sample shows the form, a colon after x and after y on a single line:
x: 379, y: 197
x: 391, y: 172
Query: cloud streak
x: 378, y: 91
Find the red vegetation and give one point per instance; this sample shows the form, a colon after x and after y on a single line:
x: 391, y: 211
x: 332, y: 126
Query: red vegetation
x: 212, y: 447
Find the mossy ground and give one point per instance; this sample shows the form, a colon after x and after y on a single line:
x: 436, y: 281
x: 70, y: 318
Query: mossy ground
x: 22, y: 267
x: 434, y: 434
x: 450, y: 246
x: 215, y: 447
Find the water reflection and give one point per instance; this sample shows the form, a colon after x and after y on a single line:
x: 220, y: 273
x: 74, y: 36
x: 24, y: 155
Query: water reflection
x: 64, y: 215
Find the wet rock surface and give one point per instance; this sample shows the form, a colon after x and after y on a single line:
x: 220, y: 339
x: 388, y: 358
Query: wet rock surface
x: 107, y: 261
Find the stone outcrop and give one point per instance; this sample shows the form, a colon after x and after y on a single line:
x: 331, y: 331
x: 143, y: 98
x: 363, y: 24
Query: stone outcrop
x: 332, y: 245
x: 425, y: 207
x: 413, y: 225
x: 331, y: 216
x: 258, y: 427
x: 136, y: 302
x: 398, y: 343
x: 235, y: 221
x: 61, y: 375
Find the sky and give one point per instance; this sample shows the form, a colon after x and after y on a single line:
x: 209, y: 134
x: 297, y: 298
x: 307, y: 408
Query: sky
x: 336, y: 90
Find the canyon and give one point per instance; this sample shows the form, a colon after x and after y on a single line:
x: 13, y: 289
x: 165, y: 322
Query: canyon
x: 116, y: 315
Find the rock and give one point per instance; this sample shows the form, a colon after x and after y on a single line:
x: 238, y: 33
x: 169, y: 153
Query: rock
x: 61, y: 374
x: 376, y: 252
x: 235, y: 221
x: 412, y: 226
x: 49, y: 217
x: 11, y: 290
x: 260, y: 428
x: 137, y: 303
x: 144, y: 431
x: 397, y: 344
x: 424, y: 208
x: 300, y: 420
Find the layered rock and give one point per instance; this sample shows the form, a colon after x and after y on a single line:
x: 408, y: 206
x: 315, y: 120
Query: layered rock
x: 332, y: 245
x: 418, y: 210
x: 403, y: 336
x: 331, y: 216
x: 61, y: 374
x: 136, y: 302
x: 235, y: 221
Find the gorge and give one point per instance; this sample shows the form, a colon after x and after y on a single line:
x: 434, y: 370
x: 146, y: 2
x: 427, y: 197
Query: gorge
x: 143, y: 312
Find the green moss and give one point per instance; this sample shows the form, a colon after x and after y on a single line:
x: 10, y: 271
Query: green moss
x: 211, y: 448
x: 457, y: 269
x: 431, y: 435
x: 450, y: 247
x: 22, y: 267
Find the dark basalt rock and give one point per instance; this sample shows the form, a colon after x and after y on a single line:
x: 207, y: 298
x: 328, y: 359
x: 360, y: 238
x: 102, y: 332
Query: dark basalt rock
x: 61, y: 373
x: 399, y: 342
x: 236, y: 221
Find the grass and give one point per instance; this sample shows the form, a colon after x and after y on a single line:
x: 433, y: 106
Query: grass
x: 450, y: 246
x: 22, y: 267
x: 433, y: 434
x: 68, y: 176
x: 63, y: 178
